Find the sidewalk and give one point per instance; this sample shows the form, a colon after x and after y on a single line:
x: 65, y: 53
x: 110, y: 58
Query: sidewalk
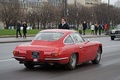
x: 28, y: 39
x: 13, y: 39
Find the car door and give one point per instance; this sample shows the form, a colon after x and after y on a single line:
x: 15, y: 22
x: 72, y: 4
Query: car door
x: 69, y: 46
x: 84, y: 48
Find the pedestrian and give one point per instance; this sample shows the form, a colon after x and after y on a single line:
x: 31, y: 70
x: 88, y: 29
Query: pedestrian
x: 106, y: 28
x: 84, y: 27
x: 96, y: 28
x: 18, y: 26
x: 100, y: 28
x: 80, y: 28
x: 92, y: 29
x: 24, y: 29
x: 63, y: 24
x: 103, y: 28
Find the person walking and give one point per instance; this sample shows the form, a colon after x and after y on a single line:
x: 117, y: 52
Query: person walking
x: 24, y: 29
x: 84, y: 27
x: 18, y: 26
x: 92, y: 29
x: 96, y: 28
x: 103, y: 29
x: 100, y: 28
x: 80, y: 28
x: 106, y: 28
x: 63, y: 24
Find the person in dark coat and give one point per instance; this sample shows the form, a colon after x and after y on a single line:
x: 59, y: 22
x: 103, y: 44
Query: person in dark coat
x: 24, y: 29
x: 84, y: 27
x: 100, y: 28
x: 63, y: 24
x: 96, y: 28
x: 18, y: 26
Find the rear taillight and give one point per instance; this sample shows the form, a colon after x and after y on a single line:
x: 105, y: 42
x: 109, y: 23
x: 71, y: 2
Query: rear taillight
x: 15, y: 52
x: 54, y: 54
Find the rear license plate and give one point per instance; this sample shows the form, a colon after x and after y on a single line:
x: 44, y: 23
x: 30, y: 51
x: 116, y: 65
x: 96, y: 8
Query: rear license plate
x: 35, y: 55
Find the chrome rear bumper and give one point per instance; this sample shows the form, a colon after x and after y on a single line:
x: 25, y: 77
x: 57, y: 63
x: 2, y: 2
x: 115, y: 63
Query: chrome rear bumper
x: 19, y: 57
x: 56, y: 59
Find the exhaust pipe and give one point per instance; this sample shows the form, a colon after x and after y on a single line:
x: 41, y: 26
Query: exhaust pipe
x: 21, y: 62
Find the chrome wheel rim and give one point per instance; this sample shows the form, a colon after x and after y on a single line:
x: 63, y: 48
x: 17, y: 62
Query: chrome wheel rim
x: 98, y: 55
x: 73, y: 60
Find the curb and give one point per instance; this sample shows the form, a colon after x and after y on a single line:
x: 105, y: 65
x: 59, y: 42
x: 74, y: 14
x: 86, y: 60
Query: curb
x: 15, y: 41
x: 13, y: 36
x: 96, y: 36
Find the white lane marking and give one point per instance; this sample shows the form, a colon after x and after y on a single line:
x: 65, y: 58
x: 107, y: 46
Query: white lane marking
x: 111, y: 46
x: 6, y: 60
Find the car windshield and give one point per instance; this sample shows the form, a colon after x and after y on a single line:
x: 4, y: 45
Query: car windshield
x: 49, y: 36
x: 117, y: 27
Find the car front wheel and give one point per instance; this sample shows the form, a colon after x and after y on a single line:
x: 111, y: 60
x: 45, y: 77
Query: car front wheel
x: 29, y: 65
x: 72, y: 62
x: 98, y: 57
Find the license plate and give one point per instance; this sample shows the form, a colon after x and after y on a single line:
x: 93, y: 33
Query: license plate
x: 35, y: 55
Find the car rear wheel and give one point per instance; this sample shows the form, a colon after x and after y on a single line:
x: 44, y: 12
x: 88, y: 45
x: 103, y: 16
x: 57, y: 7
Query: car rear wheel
x: 29, y: 65
x: 112, y: 37
x: 72, y: 62
x: 98, y: 57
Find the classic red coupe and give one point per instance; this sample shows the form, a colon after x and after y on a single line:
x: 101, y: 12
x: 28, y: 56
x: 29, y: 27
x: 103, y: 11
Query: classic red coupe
x: 56, y: 46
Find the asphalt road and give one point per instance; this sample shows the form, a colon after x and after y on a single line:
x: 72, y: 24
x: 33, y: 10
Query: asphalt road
x: 108, y: 69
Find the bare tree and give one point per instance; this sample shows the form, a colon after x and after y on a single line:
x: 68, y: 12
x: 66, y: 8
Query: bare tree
x: 78, y: 13
x: 9, y: 11
x: 49, y: 14
x: 105, y: 15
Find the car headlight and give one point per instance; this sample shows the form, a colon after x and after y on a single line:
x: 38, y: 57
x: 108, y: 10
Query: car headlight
x: 15, y: 52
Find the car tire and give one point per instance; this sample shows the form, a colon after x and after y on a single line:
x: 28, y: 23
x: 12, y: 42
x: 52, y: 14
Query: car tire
x: 29, y: 65
x: 98, y: 57
x: 112, y: 37
x: 72, y: 62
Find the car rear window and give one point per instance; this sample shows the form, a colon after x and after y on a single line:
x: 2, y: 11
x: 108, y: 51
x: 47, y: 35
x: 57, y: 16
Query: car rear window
x: 49, y: 36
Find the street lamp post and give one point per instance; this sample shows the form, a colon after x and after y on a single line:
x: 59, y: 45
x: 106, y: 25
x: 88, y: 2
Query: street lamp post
x: 108, y: 10
x: 65, y: 8
x: 108, y: 17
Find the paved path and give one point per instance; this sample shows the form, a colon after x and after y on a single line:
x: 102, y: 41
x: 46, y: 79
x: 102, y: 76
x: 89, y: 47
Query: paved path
x: 13, y: 39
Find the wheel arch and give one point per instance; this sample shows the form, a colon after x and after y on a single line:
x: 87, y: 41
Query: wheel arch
x: 100, y: 46
x: 77, y: 55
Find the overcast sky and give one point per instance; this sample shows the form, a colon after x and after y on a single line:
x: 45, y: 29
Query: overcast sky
x: 111, y: 1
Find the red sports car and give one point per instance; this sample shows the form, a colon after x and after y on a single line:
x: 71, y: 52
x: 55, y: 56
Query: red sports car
x: 56, y: 46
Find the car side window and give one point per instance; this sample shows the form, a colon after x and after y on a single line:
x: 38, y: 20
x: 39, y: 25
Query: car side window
x: 69, y: 40
x: 77, y: 38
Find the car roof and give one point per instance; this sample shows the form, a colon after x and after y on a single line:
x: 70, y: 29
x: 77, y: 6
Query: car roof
x: 59, y: 30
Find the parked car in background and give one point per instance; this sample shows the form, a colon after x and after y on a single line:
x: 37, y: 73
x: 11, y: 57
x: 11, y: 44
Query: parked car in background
x: 115, y: 33
x: 56, y: 46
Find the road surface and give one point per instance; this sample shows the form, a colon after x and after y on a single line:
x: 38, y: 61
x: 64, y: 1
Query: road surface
x: 108, y: 69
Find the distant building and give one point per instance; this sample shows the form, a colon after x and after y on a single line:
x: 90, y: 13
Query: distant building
x: 31, y: 3
x: 55, y: 2
x: 90, y: 3
x: 82, y: 2
x: 76, y: 1
x: 117, y: 4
